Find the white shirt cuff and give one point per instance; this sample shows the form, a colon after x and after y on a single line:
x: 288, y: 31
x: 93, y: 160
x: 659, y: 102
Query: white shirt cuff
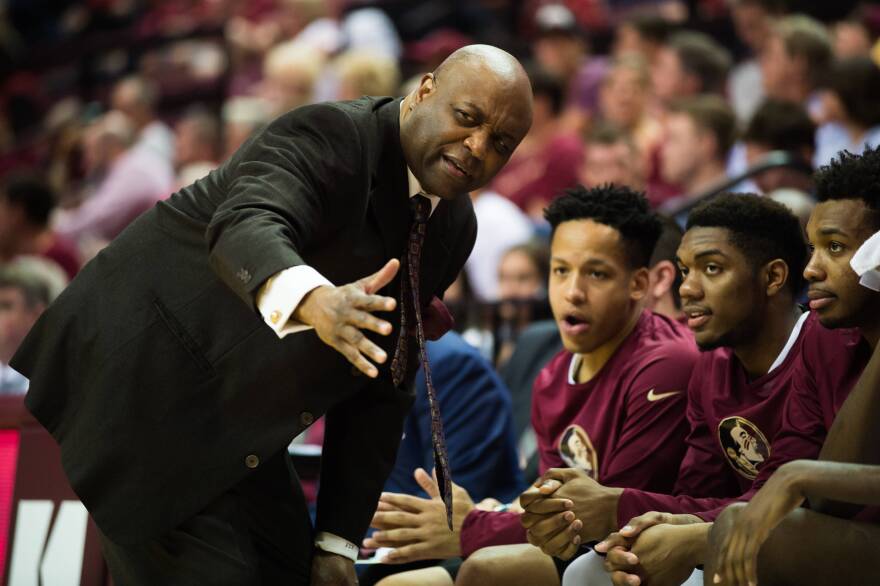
x: 866, y: 262
x: 280, y: 295
x: 335, y: 544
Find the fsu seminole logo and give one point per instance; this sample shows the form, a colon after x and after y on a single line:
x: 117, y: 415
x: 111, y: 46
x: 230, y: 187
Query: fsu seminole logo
x: 746, y: 447
x: 577, y: 450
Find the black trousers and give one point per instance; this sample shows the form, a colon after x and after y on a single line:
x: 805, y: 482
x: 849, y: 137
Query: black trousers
x: 259, y: 532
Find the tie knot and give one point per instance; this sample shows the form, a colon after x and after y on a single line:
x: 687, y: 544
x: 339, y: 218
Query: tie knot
x: 421, y: 208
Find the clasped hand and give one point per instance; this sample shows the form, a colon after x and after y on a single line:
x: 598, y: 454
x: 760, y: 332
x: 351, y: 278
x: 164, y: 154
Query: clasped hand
x: 338, y: 315
x: 564, y: 508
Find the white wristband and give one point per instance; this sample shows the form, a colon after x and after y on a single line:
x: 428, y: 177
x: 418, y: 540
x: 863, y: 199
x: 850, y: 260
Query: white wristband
x: 335, y: 544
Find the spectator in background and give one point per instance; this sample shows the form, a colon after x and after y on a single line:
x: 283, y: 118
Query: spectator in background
x: 289, y: 74
x: 690, y: 63
x: 129, y: 181
x: 25, y: 205
x: 699, y: 134
x: 794, y: 65
x: 137, y: 98
x: 561, y: 48
x: 611, y: 156
x: 753, y: 21
x: 241, y: 115
x: 642, y: 33
x: 664, y: 278
x: 624, y: 98
x: 851, y: 99
x: 196, y: 146
x: 547, y: 160
x: 502, y: 226
x: 851, y: 38
x: 24, y: 295
x: 364, y: 73
x: 783, y: 126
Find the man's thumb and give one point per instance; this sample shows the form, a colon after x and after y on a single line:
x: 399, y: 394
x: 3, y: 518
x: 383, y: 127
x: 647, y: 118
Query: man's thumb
x: 381, y: 277
x: 428, y: 484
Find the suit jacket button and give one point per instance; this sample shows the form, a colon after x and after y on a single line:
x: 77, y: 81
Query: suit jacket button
x: 306, y: 418
x: 252, y: 461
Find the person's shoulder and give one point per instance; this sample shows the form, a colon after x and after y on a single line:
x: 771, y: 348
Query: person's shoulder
x: 661, y: 337
x: 821, y: 343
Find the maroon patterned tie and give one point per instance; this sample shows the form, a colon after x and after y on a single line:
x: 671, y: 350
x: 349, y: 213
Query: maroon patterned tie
x: 409, y: 291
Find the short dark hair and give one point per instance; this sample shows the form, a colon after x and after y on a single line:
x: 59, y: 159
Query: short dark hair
x: 546, y: 84
x: 702, y: 57
x: 34, y: 289
x: 666, y: 249
x: 850, y: 176
x: 760, y: 228
x: 607, y: 134
x: 856, y: 81
x: 32, y: 194
x: 781, y: 125
x: 651, y: 26
x: 620, y: 207
x: 713, y: 114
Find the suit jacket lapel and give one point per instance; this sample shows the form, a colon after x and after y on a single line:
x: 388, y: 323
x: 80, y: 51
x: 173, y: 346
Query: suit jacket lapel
x: 389, y: 190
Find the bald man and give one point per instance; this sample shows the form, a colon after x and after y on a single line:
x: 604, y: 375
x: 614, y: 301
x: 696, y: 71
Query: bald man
x: 177, y: 367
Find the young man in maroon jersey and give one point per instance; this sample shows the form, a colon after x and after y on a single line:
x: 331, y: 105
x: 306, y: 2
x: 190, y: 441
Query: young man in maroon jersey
x: 611, y: 403
x: 817, y: 546
x: 741, y: 261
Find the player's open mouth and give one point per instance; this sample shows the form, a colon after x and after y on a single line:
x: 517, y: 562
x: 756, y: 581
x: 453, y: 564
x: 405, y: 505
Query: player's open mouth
x: 573, y: 324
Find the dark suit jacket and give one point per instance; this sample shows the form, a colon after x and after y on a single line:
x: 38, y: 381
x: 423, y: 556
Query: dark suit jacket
x: 161, y: 382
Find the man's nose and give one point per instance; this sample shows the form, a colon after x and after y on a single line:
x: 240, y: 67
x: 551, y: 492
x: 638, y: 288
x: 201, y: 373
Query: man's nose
x: 477, y: 143
x: 814, y: 272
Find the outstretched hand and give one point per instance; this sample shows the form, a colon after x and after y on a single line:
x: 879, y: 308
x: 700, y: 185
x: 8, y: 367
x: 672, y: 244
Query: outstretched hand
x: 339, y: 314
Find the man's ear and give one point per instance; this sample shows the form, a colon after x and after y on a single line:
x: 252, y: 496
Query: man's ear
x: 640, y: 284
x: 426, y: 87
x: 776, y: 275
x: 662, y: 278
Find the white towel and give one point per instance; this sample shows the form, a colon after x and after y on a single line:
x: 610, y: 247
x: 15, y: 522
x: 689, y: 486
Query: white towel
x: 866, y: 262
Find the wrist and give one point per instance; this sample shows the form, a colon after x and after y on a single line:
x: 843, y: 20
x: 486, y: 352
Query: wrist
x: 610, y: 499
x: 305, y: 310
x: 697, y: 542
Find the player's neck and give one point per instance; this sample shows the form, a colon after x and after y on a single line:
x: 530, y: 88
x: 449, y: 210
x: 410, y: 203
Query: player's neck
x: 592, y: 362
x: 759, y: 354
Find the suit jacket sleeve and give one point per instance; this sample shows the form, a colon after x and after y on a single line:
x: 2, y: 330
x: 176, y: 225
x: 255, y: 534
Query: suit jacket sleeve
x: 281, y: 186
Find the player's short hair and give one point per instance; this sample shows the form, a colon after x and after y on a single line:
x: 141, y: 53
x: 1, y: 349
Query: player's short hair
x: 760, y: 228
x: 620, y: 207
x: 850, y: 176
x: 666, y: 248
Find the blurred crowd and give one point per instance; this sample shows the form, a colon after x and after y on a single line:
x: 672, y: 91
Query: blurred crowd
x: 108, y: 106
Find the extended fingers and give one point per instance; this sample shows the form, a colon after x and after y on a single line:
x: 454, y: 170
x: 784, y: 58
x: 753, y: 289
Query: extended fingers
x: 619, y: 578
x: 561, y: 542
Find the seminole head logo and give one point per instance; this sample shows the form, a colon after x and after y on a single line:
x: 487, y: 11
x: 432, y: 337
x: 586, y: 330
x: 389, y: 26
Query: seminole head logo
x: 746, y: 447
x: 577, y: 450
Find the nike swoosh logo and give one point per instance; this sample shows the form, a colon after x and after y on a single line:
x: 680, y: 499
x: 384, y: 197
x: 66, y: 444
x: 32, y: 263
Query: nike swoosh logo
x: 652, y: 396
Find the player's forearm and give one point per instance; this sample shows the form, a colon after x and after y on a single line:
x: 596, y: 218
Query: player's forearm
x: 857, y: 484
x: 855, y: 436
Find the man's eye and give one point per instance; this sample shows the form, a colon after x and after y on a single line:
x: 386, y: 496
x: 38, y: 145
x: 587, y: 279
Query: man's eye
x: 712, y: 269
x: 683, y: 270
x: 464, y: 116
x: 501, y: 147
x: 598, y: 275
x: 559, y: 271
x: 835, y: 247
